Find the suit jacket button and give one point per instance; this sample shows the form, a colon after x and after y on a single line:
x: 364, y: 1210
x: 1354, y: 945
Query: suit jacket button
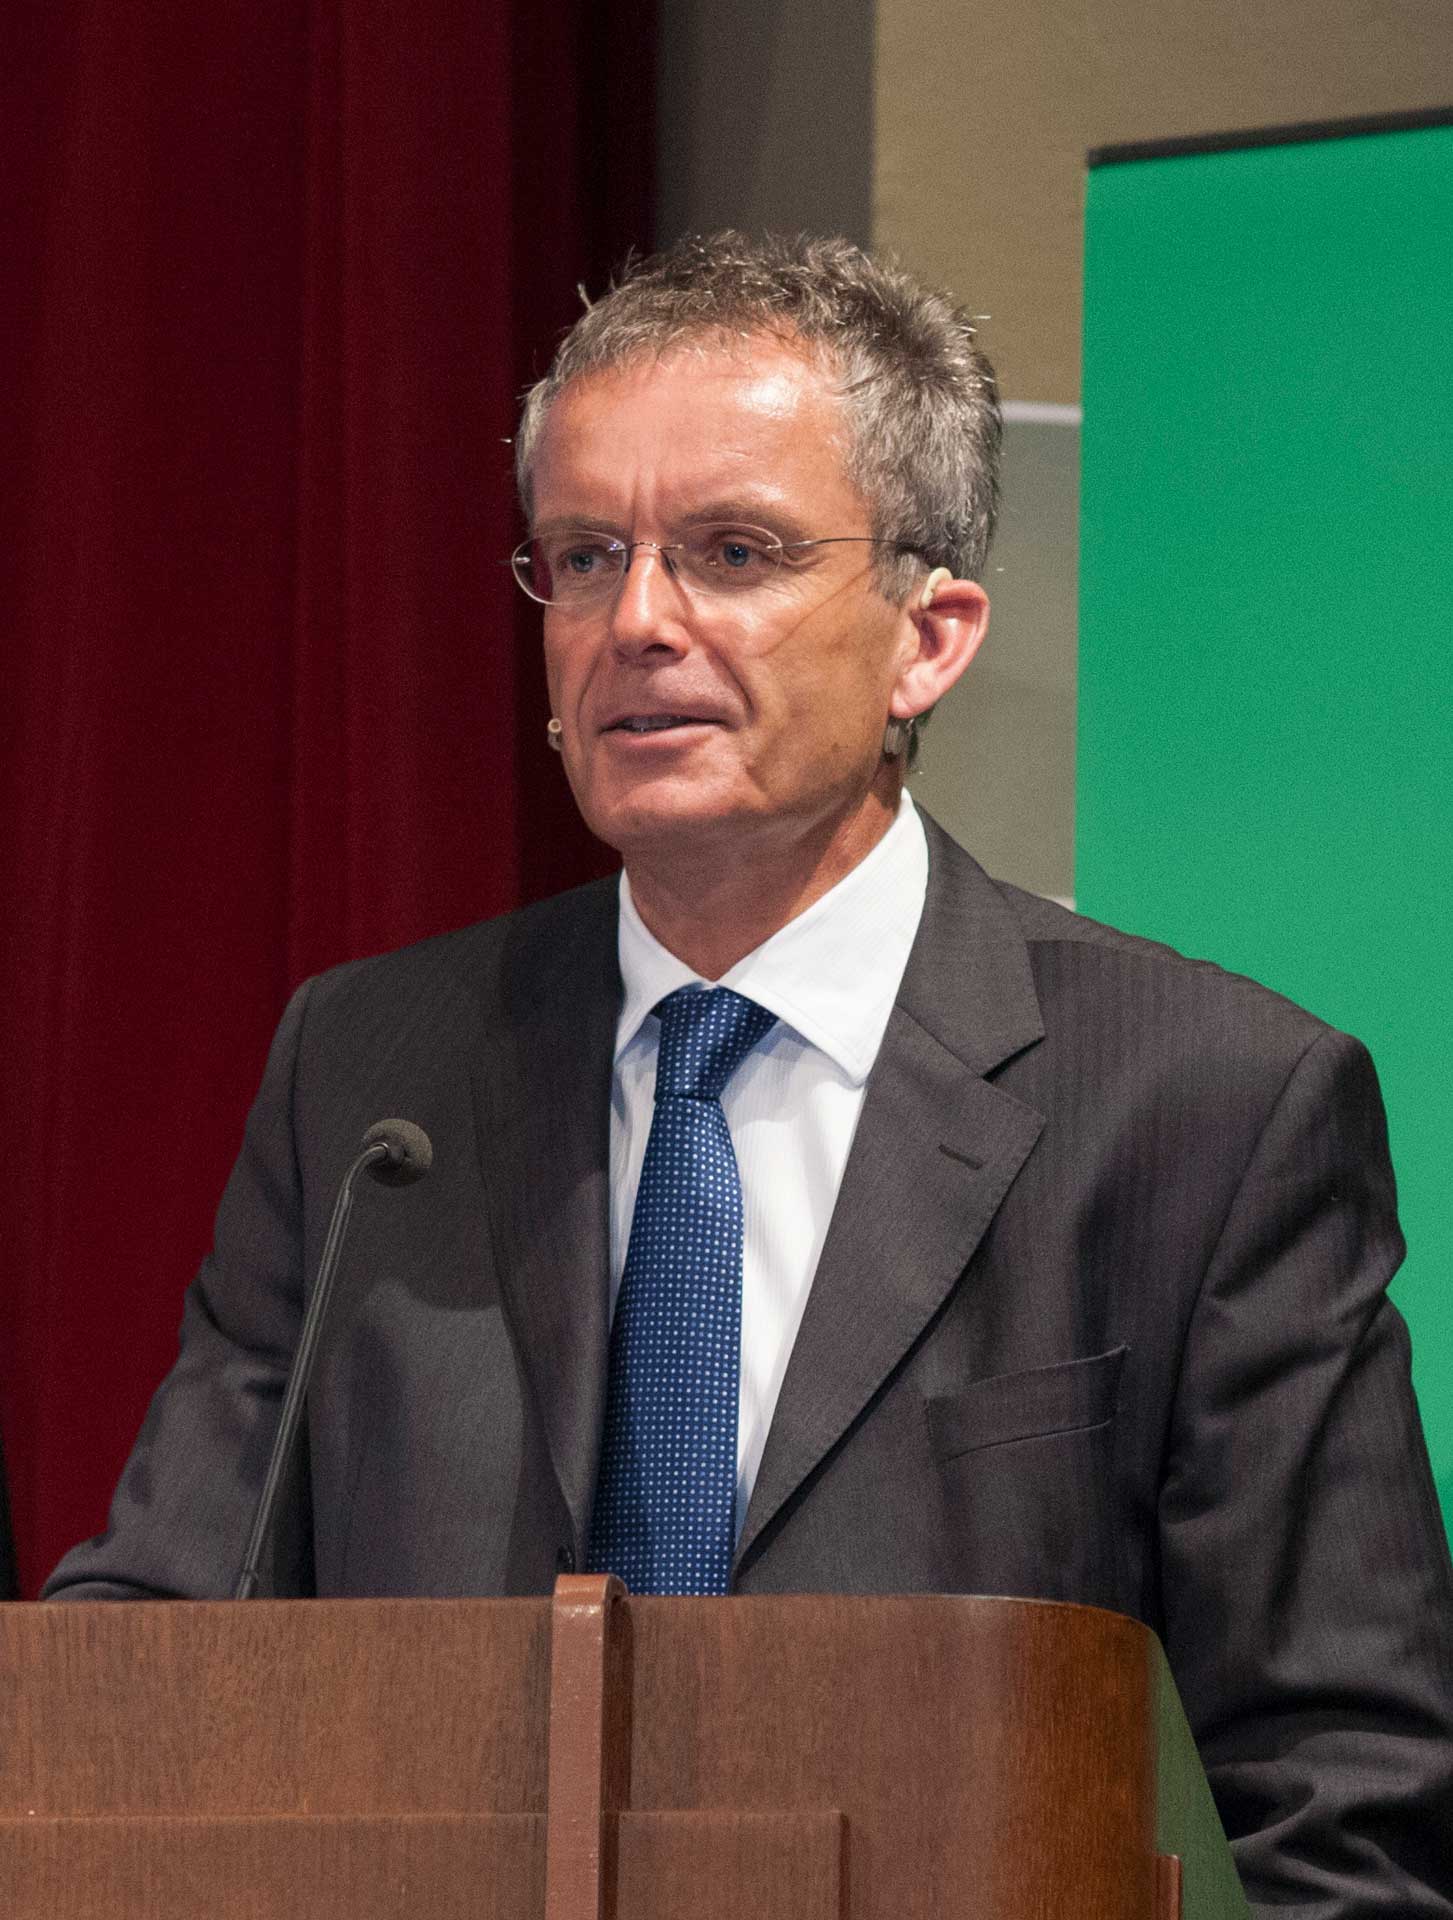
x: 564, y: 1560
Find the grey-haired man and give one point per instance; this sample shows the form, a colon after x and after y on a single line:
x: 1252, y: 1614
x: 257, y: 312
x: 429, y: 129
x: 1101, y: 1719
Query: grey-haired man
x: 1057, y: 1262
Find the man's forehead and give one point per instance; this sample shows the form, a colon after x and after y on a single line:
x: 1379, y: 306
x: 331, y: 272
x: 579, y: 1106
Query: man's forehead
x: 701, y: 406
x: 767, y: 371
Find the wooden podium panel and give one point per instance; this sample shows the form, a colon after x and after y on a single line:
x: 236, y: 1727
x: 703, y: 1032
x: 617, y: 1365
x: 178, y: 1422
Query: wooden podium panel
x: 200, y: 1762
x: 347, y: 1707
x: 328, y: 1868
x: 992, y: 1755
x: 801, y: 1757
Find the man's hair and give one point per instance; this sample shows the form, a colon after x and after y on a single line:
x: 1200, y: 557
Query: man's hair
x: 919, y: 396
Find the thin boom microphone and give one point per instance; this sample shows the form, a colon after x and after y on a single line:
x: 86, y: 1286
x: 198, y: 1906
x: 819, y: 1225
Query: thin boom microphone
x: 396, y: 1153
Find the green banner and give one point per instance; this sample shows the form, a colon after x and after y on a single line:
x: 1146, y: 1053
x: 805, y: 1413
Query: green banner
x: 1265, y: 762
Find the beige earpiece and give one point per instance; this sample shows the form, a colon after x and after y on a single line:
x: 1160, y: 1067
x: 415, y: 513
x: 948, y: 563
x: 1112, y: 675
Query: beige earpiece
x: 931, y: 586
x: 553, y: 731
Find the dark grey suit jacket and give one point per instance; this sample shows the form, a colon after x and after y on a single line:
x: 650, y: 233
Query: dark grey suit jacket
x: 1100, y: 1317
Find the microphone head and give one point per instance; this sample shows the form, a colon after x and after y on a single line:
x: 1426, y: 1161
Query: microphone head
x: 410, y: 1152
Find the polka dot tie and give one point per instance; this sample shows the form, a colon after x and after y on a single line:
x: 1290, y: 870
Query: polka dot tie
x: 664, y: 1505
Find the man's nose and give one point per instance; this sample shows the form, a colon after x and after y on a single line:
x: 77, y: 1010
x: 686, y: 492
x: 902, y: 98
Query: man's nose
x: 649, y: 607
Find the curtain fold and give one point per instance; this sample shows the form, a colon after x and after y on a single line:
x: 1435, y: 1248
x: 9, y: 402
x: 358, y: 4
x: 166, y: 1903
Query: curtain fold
x: 274, y: 275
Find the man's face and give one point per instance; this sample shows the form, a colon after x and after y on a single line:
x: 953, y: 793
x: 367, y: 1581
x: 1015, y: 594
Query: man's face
x: 779, y: 694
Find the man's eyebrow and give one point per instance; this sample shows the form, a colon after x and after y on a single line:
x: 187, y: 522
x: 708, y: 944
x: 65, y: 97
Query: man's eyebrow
x: 745, y: 511
x: 577, y: 523
x: 736, y: 511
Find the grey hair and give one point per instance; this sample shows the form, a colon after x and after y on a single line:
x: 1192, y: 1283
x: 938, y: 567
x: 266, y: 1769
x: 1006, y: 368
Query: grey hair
x: 920, y: 397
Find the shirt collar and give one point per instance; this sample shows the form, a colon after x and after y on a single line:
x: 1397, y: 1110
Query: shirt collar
x: 832, y: 974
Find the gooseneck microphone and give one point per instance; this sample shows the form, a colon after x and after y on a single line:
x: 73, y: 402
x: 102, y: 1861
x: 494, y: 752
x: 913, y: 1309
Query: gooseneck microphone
x: 396, y: 1153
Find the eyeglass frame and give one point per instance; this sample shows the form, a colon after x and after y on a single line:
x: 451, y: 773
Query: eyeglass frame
x: 628, y: 549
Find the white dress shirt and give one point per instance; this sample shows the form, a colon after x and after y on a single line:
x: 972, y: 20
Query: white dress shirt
x: 831, y: 977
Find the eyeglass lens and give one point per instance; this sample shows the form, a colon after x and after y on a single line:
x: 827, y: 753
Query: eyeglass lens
x: 578, y: 565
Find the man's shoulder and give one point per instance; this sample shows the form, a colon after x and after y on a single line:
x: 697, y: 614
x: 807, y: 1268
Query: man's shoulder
x: 1081, y: 964
x: 497, y: 960
x: 1070, y: 954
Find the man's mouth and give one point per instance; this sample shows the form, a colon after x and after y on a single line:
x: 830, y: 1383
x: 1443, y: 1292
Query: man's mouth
x: 655, y: 722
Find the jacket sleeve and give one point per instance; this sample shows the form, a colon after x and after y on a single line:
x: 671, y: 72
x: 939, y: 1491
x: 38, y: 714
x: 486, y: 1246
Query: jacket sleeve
x: 1306, y: 1581
x: 181, y: 1513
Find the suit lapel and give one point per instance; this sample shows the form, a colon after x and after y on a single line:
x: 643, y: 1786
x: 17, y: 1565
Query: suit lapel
x: 936, y: 1150
x: 542, y: 1096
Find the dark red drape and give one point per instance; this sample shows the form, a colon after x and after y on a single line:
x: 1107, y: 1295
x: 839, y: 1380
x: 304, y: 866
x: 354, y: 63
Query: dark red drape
x: 273, y: 274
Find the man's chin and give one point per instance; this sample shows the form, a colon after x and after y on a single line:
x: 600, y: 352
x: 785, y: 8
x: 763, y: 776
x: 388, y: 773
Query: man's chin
x: 662, y: 824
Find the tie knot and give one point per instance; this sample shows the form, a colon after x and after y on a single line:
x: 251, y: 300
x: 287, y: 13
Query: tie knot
x: 705, y: 1036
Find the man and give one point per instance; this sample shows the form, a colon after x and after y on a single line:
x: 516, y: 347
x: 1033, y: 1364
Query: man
x: 810, y: 1211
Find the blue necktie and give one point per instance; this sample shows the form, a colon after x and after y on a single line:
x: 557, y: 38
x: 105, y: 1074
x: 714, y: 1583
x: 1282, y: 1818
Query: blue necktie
x: 665, y: 1500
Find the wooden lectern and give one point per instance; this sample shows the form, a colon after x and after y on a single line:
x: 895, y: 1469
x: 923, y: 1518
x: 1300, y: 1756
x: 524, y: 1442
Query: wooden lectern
x: 804, y: 1757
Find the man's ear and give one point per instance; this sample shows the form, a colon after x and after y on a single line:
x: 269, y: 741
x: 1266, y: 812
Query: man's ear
x: 944, y: 627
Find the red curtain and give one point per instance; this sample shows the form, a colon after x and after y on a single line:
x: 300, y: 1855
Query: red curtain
x: 276, y: 271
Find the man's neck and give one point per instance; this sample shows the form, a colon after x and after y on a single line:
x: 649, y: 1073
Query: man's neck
x: 711, y: 906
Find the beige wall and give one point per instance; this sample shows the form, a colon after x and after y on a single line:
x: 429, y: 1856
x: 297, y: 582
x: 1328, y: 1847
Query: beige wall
x: 998, y: 762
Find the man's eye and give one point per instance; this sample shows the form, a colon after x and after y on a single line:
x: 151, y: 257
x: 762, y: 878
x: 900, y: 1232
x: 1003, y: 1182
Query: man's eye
x: 737, y: 552
x: 581, y: 559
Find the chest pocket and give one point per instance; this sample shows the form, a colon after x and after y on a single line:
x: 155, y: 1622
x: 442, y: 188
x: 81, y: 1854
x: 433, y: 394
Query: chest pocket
x: 1026, y: 1482
x: 1070, y: 1397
